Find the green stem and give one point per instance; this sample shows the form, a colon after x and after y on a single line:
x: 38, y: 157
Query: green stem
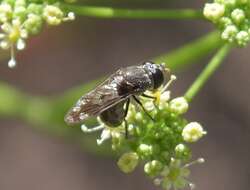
x: 212, y: 66
x: 192, y: 52
x: 110, y: 12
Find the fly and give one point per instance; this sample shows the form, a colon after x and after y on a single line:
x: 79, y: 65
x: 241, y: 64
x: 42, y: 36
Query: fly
x: 110, y: 100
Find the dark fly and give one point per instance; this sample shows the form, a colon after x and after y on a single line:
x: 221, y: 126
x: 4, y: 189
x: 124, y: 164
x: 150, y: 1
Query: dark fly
x: 110, y: 100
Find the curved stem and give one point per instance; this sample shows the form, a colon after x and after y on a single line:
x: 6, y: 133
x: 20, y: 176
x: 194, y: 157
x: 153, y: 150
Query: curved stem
x: 110, y: 12
x: 191, y: 52
x: 212, y: 66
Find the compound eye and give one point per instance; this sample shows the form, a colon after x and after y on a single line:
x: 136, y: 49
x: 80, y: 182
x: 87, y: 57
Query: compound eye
x: 150, y: 65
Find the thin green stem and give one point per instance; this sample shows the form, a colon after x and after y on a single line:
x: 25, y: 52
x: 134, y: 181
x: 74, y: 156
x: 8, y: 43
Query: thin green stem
x: 212, y: 66
x: 110, y: 12
x: 191, y: 52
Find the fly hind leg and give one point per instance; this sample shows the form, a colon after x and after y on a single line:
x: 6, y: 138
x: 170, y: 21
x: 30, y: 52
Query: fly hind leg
x: 125, y: 115
x: 140, y: 104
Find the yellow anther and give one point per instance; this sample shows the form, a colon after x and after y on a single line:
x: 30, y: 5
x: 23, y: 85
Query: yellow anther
x: 157, y: 95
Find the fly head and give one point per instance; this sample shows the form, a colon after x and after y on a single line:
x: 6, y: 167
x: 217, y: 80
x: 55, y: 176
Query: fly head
x: 158, y: 73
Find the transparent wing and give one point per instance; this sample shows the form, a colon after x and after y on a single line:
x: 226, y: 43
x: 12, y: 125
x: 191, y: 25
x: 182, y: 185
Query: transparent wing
x: 93, y: 103
x: 119, y: 86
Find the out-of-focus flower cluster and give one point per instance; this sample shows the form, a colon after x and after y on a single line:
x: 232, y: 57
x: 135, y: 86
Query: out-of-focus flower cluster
x: 233, y: 19
x: 161, y: 145
x: 20, y: 19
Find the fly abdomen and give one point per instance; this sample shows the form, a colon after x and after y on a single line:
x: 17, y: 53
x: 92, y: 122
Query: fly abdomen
x: 114, y: 116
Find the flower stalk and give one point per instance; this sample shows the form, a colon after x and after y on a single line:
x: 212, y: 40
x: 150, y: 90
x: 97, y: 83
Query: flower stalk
x: 110, y: 12
x: 212, y: 66
x: 191, y: 52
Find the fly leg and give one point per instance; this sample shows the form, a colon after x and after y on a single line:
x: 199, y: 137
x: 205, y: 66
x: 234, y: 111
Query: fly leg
x: 148, y: 96
x: 139, y: 103
x: 125, y: 114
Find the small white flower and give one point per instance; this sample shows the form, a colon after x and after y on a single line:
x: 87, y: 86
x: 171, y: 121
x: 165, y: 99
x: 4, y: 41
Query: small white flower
x: 128, y: 162
x: 242, y: 38
x: 175, y: 175
x: 5, y: 12
x: 145, y: 149
x: 138, y: 116
x: 153, y: 168
x: 53, y: 15
x: 20, y: 44
x: 180, y: 148
x: 179, y: 105
x: 163, y: 100
x: 192, y: 132
x: 6, y: 27
x: 71, y: 16
x: 106, y: 134
x: 229, y: 33
x: 165, y: 96
x: 12, y: 63
x: 238, y: 15
x: 213, y: 11
x: 225, y: 21
x: 149, y: 106
x: 4, y: 44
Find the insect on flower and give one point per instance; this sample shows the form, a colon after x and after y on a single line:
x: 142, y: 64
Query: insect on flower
x: 110, y: 100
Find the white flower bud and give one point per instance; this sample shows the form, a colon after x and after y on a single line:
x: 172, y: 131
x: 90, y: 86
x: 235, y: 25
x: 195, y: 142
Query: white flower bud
x: 20, y: 3
x: 33, y: 23
x: 71, y: 16
x: 20, y: 11
x: 157, y: 181
x: 5, y: 12
x: 213, y: 11
x: 192, y: 132
x: 192, y: 186
x: 225, y: 21
x: 200, y: 160
x: 149, y: 106
x: 53, y: 15
x: 180, y: 148
x: 145, y: 149
x: 104, y: 136
x: 12, y: 63
x: 20, y: 44
x: 128, y: 162
x: 153, y: 168
x: 229, y: 33
x: 4, y: 44
x: 242, y: 38
x: 138, y: 116
x: 2, y: 35
x: 238, y: 15
x: 6, y: 27
x: 165, y: 96
x: 178, y: 105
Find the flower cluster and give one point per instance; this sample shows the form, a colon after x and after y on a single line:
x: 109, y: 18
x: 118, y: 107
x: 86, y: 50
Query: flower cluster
x: 20, y: 19
x: 232, y: 18
x: 160, y: 144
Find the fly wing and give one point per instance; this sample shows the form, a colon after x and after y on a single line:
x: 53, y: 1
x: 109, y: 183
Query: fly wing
x: 96, y: 101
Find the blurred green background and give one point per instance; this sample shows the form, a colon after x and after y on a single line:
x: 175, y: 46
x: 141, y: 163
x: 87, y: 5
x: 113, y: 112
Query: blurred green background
x: 75, y: 53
